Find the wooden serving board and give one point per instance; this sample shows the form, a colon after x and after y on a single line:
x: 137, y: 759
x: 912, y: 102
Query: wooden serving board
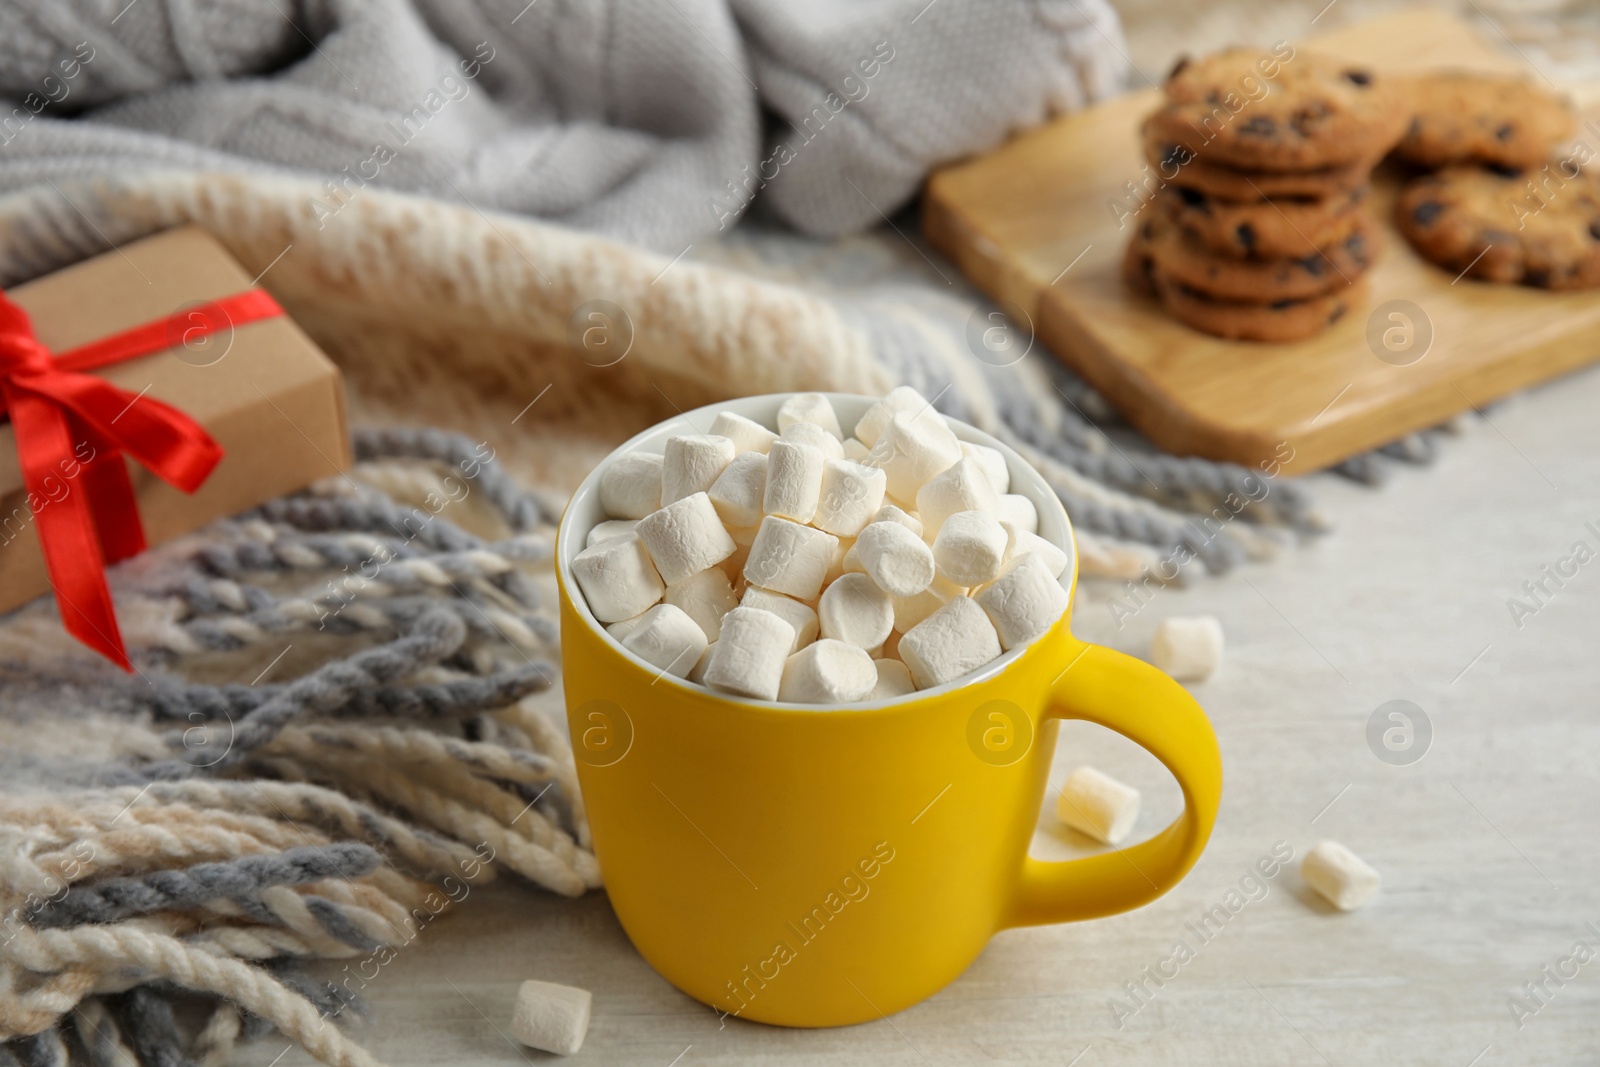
x: 1032, y: 225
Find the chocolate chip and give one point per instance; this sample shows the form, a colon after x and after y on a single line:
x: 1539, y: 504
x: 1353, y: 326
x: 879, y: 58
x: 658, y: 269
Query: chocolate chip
x: 1503, y: 170
x: 1356, y: 245
x: 1311, y: 264
x: 1426, y: 212
x: 1536, y: 277
x: 1358, y: 77
x: 1259, y: 126
x: 1504, y: 133
x: 1245, y: 234
x: 1178, y: 67
x: 1594, y: 230
x: 1192, y: 197
x: 1280, y: 305
x: 1305, y: 119
x: 1338, y: 313
x: 1176, y: 155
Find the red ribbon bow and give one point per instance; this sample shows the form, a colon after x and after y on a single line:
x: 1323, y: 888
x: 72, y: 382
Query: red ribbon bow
x: 57, y: 409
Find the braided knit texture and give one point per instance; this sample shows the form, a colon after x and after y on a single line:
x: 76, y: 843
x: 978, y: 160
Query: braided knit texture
x: 342, y: 720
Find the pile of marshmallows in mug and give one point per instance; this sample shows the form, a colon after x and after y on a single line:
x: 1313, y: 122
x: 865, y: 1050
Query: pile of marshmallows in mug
x: 871, y: 566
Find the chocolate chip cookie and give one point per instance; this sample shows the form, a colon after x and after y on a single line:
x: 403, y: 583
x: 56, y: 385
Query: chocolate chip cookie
x: 1266, y: 229
x: 1175, y: 163
x: 1463, y: 117
x: 1488, y: 223
x: 1280, y: 321
x: 1284, y: 110
x: 1259, y: 281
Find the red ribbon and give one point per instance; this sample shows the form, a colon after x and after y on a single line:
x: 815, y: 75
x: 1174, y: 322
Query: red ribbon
x: 57, y: 409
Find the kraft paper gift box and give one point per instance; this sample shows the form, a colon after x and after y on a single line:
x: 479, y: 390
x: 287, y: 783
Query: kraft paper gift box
x: 255, y: 383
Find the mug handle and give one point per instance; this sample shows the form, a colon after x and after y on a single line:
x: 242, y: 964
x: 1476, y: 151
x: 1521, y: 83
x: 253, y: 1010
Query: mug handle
x: 1153, y: 711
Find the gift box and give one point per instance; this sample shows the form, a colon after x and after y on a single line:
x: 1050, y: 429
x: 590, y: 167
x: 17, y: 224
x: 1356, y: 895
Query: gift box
x: 149, y: 390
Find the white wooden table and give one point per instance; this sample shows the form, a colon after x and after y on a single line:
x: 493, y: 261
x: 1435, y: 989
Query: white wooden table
x: 1488, y: 844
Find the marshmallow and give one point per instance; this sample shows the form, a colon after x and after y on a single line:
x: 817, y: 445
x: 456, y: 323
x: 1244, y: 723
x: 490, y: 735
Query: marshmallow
x: 894, y: 680
x: 855, y: 610
x: 692, y: 463
x: 790, y: 558
x: 750, y: 654
x: 854, y: 450
x: 794, y: 481
x: 910, y: 610
x: 809, y: 407
x: 1189, y: 649
x: 912, y: 450
x: 1019, y: 543
x: 890, y: 513
x: 964, y: 487
x: 738, y: 490
x: 1024, y: 602
x: 993, y: 462
x: 685, y: 537
x: 947, y: 644
x: 699, y: 672
x: 617, y: 579
x: 828, y: 672
x: 1098, y: 805
x: 851, y: 494
x: 798, y: 615
x: 902, y: 398
x: 551, y: 1017
x: 610, y: 530
x: 809, y: 433
x: 622, y: 629
x: 897, y: 559
x: 747, y: 435
x: 969, y: 547
x: 631, y: 487
x: 705, y: 596
x: 836, y: 565
x: 1339, y: 875
x: 667, y: 638
x: 1019, y: 511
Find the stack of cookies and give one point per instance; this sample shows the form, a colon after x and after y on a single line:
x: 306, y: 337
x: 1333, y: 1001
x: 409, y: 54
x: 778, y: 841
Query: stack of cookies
x: 1503, y: 205
x: 1259, y: 229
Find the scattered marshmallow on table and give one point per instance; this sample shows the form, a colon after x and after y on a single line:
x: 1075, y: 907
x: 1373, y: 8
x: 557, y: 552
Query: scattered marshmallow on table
x: 691, y: 464
x: 790, y: 558
x: 912, y: 450
x: 809, y: 407
x: 896, y: 558
x: 1098, y: 805
x: 705, y: 596
x: 901, y: 398
x: 963, y: 487
x: 814, y: 436
x: 667, y: 638
x: 617, y: 578
x: 969, y: 548
x: 747, y: 435
x: 797, y: 614
x: 828, y: 672
x: 853, y: 609
x: 631, y: 487
x: 738, y: 492
x: 610, y: 530
x: 894, y: 680
x: 551, y: 1017
x: 750, y: 654
x: 1339, y: 875
x: 1188, y: 648
x: 947, y: 644
x: 684, y: 537
x: 1023, y: 602
x: 851, y: 495
x: 794, y: 481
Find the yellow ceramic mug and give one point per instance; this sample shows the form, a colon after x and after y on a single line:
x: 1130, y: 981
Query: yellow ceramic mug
x: 821, y: 866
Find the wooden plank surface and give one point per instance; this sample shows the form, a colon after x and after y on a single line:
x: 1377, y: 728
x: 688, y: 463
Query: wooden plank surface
x: 1407, y: 600
x: 1041, y: 223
